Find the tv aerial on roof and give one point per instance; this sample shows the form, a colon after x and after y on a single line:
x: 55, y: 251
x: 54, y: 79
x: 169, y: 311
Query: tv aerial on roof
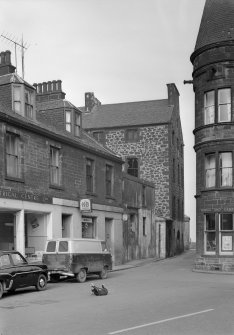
x: 17, y: 43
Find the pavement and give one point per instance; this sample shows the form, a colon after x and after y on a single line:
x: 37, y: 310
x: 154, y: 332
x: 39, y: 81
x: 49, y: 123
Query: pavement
x: 135, y: 263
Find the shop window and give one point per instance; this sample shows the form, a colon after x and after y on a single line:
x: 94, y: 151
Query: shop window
x: 77, y: 124
x: 88, y: 227
x: 210, y: 235
x: 68, y: 122
x: 224, y: 105
x: 132, y: 166
x: 210, y: 170
x: 131, y: 135
x: 55, y: 166
x: 13, y: 164
x: 226, y: 233
x: 209, y: 107
x: 89, y: 175
x: 109, y: 180
x: 225, y: 168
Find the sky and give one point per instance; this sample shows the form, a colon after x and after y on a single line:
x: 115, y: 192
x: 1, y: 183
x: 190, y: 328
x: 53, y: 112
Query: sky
x: 122, y: 50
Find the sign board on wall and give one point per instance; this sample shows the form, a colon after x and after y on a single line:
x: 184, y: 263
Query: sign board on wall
x: 226, y: 243
x: 85, y: 205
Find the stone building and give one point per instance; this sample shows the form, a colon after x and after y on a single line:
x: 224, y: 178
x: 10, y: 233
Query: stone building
x: 213, y: 83
x: 58, y: 181
x: 148, y: 137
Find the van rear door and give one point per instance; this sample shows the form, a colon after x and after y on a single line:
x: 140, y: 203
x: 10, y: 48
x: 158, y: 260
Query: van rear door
x: 57, y: 256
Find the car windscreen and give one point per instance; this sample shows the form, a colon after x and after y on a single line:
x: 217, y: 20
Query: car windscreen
x: 63, y: 246
x: 51, y: 246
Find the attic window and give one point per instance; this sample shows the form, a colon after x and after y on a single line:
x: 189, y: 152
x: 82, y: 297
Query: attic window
x: 23, y: 101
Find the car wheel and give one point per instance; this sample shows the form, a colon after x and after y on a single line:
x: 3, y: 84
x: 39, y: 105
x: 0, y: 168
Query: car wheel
x: 1, y: 290
x: 103, y: 273
x: 41, y: 282
x: 81, y: 276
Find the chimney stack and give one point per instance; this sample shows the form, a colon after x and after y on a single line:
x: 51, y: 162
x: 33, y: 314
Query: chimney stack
x: 51, y: 90
x: 91, y: 102
x: 5, y: 63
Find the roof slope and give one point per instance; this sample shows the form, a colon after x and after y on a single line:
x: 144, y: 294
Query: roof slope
x: 128, y: 114
x: 217, y: 23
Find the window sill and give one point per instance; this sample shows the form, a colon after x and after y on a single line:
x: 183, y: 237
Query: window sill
x: 57, y: 187
x: 19, y: 180
x: 223, y: 188
x: 91, y: 193
x: 110, y: 197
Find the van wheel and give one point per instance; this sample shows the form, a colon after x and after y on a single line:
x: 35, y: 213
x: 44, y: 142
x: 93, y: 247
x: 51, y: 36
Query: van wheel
x: 1, y: 290
x: 41, y: 282
x: 103, y: 273
x: 81, y: 276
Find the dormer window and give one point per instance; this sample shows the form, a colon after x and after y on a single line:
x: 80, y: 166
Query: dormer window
x: 23, y: 101
x: 68, y: 121
x: 77, y: 124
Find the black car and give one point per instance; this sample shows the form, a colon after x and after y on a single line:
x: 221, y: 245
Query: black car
x: 16, y: 272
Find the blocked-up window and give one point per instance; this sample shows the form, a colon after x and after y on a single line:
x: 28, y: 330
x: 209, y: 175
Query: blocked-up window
x: 131, y: 135
x: 89, y: 175
x: 109, y: 180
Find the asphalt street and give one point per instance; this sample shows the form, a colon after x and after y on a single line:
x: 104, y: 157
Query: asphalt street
x: 164, y: 297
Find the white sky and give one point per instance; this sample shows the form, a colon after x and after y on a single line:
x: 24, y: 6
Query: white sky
x: 122, y: 50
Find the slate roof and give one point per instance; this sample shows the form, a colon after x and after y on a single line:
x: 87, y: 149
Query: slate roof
x: 217, y: 23
x: 52, y: 104
x: 127, y: 114
x: 86, y: 141
x: 13, y: 78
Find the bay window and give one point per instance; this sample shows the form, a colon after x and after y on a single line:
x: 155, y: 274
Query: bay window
x: 209, y: 107
x: 224, y: 105
x: 225, y: 168
x: 210, y: 235
x: 210, y: 170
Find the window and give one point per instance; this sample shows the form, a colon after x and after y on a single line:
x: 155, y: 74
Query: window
x: 224, y: 105
x: 55, y: 169
x: 131, y: 135
x: 13, y: 166
x: 29, y: 104
x: 99, y: 136
x: 17, y: 99
x: 226, y: 232
x: 209, y: 107
x: 51, y: 246
x: 132, y: 166
x: 5, y: 261
x: 144, y: 226
x: 89, y: 175
x: 23, y: 101
x: 88, y: 227
x: 17, y: 259
x: 210, y: 170
x: 63, y: 246
x: 225, y: 168
x: 109, y: 180
x: 77, y: 124
x: 210, y: 236
x: 68, y: 120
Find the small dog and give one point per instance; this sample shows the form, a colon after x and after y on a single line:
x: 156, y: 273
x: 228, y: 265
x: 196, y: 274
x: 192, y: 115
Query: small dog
x: 99, y: 290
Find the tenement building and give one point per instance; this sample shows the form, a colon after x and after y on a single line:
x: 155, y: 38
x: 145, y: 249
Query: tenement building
x: 148, y: 137
x: 213, y: 83
x: 58, y: 181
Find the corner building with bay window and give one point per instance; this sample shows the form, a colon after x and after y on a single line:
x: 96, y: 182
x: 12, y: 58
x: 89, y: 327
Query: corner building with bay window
x: 213, y: 84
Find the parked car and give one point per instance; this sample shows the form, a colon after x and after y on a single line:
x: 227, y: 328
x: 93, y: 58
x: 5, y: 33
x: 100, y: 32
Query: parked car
x: 77, y: 258
x: 16, y: 272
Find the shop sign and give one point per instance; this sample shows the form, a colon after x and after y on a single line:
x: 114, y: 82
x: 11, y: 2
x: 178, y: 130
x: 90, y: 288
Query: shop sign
x: 85, y: 205
x: 87, y: 220
x: 125, y: 217
x: 24, y: 196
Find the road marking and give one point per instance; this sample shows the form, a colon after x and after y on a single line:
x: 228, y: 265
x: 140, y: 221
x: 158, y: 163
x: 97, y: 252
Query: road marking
x: 158, y: 322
